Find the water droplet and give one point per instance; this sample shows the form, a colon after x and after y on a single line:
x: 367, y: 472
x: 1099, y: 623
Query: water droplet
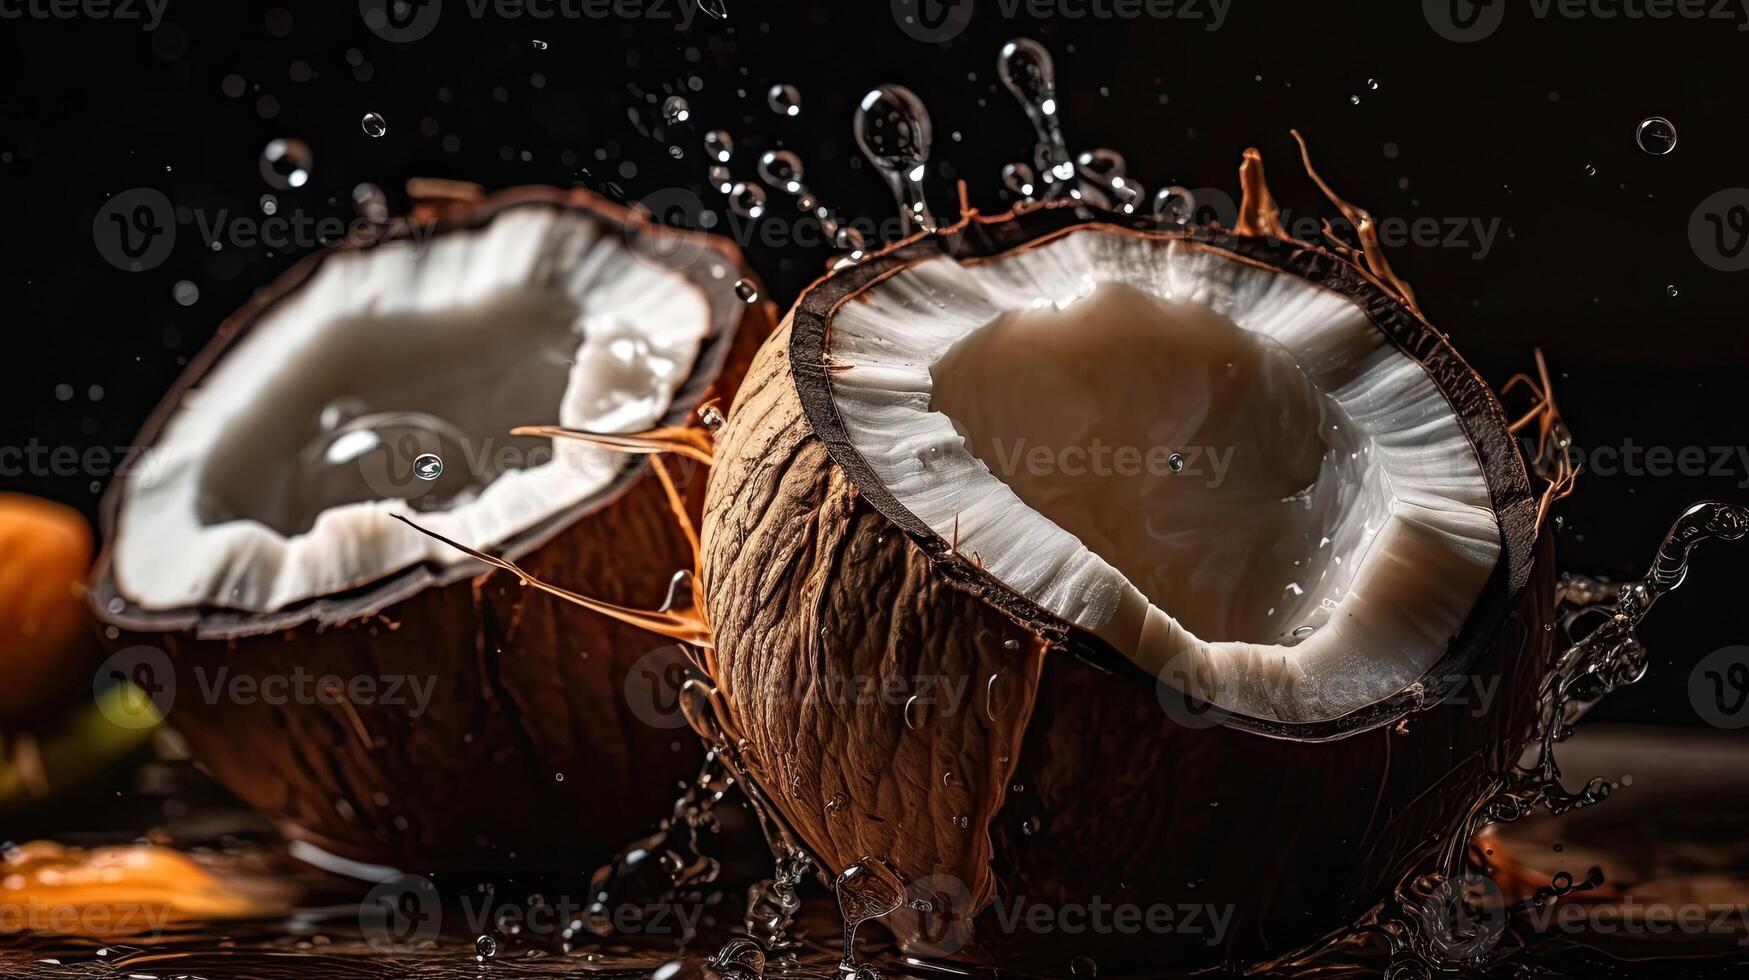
x: 1028, y: 72
x: 719, y: 144
x: 1672, y: 291
x: 1083, y: 966
x: 1020, y: 178
x: 485, y: 947
x: 269, y: 204
x: 894, y: 132
x: 374, y: 124
x: 747, y: 200
x: 915, y: 712
x: 781, y: 169
x: 370, y: 202
x: 1175, y: 463
x: 785, y: 100
x: 1102, y: 162
x: 1656, y: 135
x: 1373, y: 84
x: 675, y: 110
x: 747, y: 291
x: 539, y: 45
x: 721, y: 179
x: 1174, y: 204
x: 1354, y: 100
x: 185, y: 293
x: 287, y: 163
x: 1010, y: 644
x: 714, y: 8
x: 1030, y: 826
x: 1590, y: 171
x: 711, y: 417
x: 428, y: 466
x: 850, y: 238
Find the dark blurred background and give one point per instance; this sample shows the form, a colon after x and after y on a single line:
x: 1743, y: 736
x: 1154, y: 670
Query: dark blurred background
x: 1511, y: 126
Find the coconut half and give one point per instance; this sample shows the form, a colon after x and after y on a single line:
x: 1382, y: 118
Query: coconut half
x: 1105, y: 501
x: 1227, y: 474
x: 258, y: 535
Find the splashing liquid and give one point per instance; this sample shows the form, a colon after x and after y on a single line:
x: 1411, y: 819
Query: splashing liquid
x: 1026, y: 68
x: 893, y: 129
x: 1441, y: 918
x: 868, y: 889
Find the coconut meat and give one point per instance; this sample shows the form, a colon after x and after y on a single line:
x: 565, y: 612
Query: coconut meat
x: 1224, y: 471
x: 277, y: 478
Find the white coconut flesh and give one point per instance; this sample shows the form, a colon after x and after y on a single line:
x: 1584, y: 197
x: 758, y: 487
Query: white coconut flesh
x: 1222, y: 470
x: 278, y: 477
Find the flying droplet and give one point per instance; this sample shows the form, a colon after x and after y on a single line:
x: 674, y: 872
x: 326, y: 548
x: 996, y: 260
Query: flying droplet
x: 1020, y: 178
x: 714, y: 8
x: 785, y: 100
x: 1672, y: 291
x: 287, y: 163
x: 893, y: 130
x: 721, y: 179
x: 675, y: 110
x: 428, y: 467
x: 485, y: 947
x: 540, y: 45
x: 370, y: 202
x: 719, y: 145
x: 781, y: 169
x: 1175, y: 463
x: 747, y: 200
x: 374, y: 124
x: 747, y: 291
x: 1177, y: 205
x: 1590, y: 171
x: 1656, y: 135
x: 850, y: 238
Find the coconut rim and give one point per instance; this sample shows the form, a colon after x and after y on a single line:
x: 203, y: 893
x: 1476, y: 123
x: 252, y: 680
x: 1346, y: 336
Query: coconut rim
x: 977, y: 238
x: 218, y: 623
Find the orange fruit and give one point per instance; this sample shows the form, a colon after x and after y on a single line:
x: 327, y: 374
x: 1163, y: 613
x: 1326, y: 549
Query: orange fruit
x: 46, y: 632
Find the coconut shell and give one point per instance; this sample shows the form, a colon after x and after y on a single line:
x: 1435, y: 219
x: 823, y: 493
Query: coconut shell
x: 529, y: 729
x: 1057, y: 779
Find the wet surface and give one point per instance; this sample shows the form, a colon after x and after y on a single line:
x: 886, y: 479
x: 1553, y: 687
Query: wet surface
x: 1674, y: 903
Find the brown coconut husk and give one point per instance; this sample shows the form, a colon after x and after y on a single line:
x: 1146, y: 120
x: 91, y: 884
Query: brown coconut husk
x: 529, y: 753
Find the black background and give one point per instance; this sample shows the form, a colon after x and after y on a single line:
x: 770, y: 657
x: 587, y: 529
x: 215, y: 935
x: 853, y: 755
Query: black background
x: 1499, y: 131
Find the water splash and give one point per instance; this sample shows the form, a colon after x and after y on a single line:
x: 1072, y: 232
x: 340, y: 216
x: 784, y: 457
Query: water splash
x: 893, y: 129
x: 1028, y: 71
x: 1445, y: 918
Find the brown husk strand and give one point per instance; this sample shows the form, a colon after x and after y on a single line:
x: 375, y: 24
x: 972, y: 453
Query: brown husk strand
x: 527, y: 687
x: 1065, y: 783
